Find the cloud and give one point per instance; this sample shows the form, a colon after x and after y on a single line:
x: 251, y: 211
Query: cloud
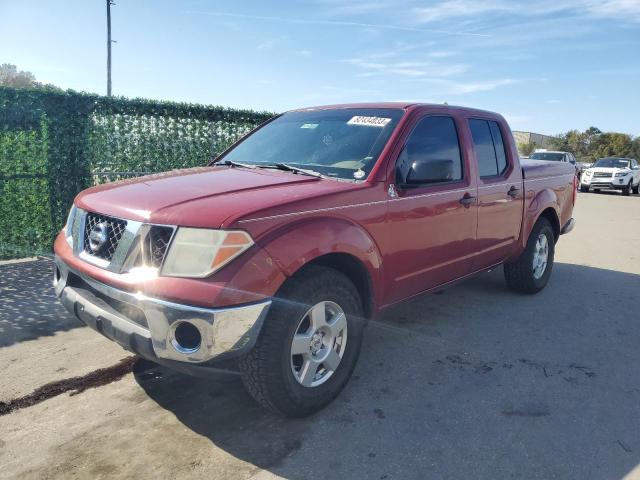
x: 413, y: 69
x: 457, y: 8
x: 626, y: 9
x: 457, y: 87
x: 441, y: 54
x: 337, y: 23
x: 353, y: 7
x: 476, y: 9
x: 301, y: 53
x: 516, y: 120
x: 268, y: 44
x: 461, y: 88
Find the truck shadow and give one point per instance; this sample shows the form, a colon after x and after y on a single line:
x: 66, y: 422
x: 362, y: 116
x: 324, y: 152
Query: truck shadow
x: 28, y: 306
x: 476, y: 382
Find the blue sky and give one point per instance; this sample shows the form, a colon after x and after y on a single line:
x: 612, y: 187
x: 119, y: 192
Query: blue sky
x: 548, y: 66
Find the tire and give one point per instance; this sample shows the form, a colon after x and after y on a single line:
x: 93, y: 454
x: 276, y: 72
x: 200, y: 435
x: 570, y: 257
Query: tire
x: 636, y: 189
x: 269, y: 370
x: 584, y: 189
x: 626, y: 191
x: 521, y: 275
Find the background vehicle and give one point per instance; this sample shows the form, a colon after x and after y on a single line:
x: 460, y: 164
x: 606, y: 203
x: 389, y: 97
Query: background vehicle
x: 277, y: 254
x: 612, y: 173
x: 556, y: 156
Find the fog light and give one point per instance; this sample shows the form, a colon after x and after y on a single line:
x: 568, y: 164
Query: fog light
x: 186, y: 338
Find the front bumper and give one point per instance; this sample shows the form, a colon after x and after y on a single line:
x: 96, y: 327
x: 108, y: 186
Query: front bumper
x: 567, y: 227
x: 147, y: 326
x: 607, y: 182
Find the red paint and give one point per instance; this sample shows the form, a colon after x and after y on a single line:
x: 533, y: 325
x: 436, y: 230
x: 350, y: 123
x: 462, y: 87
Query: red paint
x: 418, y: 241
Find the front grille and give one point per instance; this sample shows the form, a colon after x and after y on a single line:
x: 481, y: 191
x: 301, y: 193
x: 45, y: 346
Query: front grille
x: 154, y: 246
x: 112, y: 230
x: 601, y: 175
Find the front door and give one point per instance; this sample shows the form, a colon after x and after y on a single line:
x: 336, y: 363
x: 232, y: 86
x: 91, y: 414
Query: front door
x: 432, y: 225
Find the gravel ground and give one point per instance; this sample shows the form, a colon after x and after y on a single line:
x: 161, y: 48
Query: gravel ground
x: 476, y: 382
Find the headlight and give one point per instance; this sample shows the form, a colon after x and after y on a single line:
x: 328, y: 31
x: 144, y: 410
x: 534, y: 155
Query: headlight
x: 68, y: 228
x: 588, y: 173
x: 622, y: 174
x: 198, y: 252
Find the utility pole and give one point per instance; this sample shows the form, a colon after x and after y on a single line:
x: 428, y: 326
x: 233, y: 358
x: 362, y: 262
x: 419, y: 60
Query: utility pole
x: 109, y: 3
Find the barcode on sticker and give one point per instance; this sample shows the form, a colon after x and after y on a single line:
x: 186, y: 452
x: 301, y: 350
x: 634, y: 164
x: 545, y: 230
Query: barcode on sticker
x: 369, y: 121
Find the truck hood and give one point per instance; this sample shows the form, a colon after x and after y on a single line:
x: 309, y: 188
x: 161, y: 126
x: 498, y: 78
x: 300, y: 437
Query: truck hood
x: 201, y: 197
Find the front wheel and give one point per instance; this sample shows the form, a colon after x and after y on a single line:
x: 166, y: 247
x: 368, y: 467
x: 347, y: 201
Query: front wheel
x: 636, y: 189
x: 309, y: 344
x: 627, y: 190
x: 584, y: 189
x: 531, y: 272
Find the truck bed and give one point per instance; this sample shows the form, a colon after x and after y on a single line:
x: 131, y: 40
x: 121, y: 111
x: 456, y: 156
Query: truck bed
x: 543, y: 168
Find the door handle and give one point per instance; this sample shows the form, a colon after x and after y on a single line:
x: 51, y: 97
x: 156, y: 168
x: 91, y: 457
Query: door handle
x: 513, y: 191
x: 467, y: 199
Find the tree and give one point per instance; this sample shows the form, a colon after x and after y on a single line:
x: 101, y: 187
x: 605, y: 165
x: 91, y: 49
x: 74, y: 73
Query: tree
x: 592, y: 144
x: 526, y: 149
x: 10, y: 76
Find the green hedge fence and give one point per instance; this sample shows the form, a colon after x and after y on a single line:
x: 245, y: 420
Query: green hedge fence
x: 54, y: 144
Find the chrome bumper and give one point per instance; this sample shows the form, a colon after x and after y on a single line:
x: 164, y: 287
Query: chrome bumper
x: 568, y: 226
x: 147, y: 326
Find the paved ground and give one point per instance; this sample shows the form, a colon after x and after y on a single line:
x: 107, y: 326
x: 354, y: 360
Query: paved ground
x: 476, y: 382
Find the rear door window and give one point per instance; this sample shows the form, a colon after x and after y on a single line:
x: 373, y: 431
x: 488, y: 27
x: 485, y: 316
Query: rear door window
x: 489, y: 147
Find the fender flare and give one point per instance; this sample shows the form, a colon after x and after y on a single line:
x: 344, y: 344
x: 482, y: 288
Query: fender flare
x: 296, y: 244
x: 544, y: 201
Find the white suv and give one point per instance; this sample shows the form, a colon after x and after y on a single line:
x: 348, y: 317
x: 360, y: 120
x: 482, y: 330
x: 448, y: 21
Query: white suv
x: 612, y: 173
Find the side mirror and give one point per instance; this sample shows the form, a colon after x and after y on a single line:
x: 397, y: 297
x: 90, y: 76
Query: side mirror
x: 412, y: 172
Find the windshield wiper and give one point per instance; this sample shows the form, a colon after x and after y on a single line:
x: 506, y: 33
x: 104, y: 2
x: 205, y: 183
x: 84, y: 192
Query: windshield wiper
x: 290, y: 168
x: 231, y: 163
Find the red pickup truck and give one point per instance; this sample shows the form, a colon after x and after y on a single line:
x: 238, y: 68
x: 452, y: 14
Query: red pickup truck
x: 274, y: 256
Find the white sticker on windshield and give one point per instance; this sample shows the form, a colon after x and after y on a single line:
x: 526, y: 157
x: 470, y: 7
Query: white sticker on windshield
x: 369, y: 121
x: 358, y: 174
x: 309, y: 125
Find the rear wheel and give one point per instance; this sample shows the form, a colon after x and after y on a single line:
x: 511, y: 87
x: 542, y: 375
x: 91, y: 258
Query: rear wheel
x: 309, y: 344
x: 531, y: 272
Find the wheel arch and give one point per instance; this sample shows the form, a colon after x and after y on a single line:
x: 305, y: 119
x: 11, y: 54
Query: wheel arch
x: 331, y: 242
x: 352, y: 268
x: 544, y: 204
x: 552, y: 216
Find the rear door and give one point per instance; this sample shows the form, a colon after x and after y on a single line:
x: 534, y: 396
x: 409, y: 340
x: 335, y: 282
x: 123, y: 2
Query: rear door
x: 500, y: 195
x: 431, y: 226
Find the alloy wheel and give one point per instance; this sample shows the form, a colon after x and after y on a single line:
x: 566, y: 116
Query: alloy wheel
x: 318, y: 344
x: 540, y: 256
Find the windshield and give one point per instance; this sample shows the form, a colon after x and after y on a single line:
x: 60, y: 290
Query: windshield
x: 612, y: 163
x: 340, y: 143
x: 556, y: 157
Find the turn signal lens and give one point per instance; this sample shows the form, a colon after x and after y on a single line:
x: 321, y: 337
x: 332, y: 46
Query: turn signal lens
x: 68, y: 228
x: 199, y: 252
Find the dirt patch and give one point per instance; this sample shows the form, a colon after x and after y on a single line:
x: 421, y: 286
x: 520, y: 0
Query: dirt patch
x: 75, y: 385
